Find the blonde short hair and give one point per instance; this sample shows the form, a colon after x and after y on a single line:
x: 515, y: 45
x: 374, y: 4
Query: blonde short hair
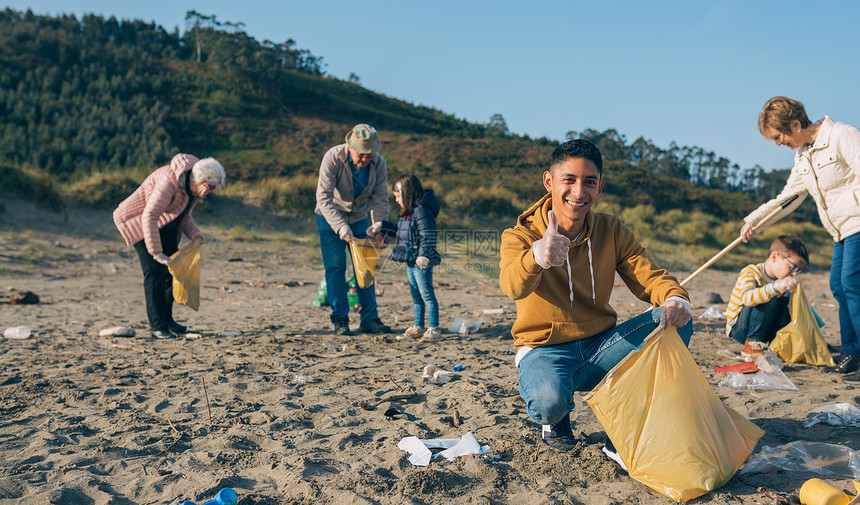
x: 209, y: 170
x: 778, y: 113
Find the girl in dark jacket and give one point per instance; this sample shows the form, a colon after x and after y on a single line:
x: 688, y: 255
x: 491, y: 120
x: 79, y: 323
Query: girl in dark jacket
x: 416, y: 246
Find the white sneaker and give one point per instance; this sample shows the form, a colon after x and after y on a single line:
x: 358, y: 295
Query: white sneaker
x: 432, y: 335
x: 413, y: 333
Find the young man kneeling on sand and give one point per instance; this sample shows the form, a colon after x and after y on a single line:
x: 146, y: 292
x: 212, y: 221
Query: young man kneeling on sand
x: 559, y: 264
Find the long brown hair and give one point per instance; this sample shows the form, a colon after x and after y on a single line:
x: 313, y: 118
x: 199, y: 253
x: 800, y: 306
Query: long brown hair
x: 410, y: 191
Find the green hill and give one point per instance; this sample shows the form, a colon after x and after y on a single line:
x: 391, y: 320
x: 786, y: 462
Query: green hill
x: 91, y: 106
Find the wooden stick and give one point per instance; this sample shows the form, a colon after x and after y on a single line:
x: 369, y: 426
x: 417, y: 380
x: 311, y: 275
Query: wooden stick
x: 207, y: 399
x: 712, y: 338
x: 738, y: 240
x: 370, y: 405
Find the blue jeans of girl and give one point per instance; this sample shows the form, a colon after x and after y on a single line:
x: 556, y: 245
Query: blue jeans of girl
x: 845, y: 285
x: 549, y: 375
x: 423, y: 296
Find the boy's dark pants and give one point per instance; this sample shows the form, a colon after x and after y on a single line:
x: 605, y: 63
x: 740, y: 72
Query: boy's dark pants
x: 759, y: 323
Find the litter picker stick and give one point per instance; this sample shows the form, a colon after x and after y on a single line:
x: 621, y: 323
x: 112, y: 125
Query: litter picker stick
x: 738, y: 240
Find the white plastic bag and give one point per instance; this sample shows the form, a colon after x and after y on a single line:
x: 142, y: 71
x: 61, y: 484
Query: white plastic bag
x: 838, y: 414
x: 464, y: 325
x: 713, y: 313
x: 801, y: 456
x: 769, y: 376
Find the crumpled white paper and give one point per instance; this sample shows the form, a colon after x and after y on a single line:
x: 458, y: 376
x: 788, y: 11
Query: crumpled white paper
x: 420, y: 453
x: 433, y: 373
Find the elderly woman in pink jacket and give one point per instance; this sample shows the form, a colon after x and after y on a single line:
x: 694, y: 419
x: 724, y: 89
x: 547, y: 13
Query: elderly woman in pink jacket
x: 827, y: 168
x: 152, y: 220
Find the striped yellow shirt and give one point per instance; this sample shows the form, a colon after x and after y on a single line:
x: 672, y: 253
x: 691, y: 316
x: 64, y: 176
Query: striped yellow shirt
x: 753, y: 287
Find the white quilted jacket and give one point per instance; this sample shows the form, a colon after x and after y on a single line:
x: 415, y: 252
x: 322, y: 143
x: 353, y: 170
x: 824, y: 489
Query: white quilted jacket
x: 829, y: 171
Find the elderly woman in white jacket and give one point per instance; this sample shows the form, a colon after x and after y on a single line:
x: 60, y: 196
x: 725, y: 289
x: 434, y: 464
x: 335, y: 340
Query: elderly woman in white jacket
x: 827, y: 167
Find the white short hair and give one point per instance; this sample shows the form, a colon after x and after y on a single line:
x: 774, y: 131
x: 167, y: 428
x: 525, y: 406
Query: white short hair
x: 209, y: 170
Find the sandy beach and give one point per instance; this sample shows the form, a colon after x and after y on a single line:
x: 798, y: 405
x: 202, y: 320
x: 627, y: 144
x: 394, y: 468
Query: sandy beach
x: 97, y: 420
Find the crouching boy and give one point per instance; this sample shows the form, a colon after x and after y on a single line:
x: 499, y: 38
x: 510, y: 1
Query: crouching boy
x: 559, y: 264
x: 758, y: 307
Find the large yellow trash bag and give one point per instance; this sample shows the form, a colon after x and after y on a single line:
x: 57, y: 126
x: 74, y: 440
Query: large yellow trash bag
x: 184, y: 266
x: 800, y: 341
x: 672, y: 432
x: 365, y: 255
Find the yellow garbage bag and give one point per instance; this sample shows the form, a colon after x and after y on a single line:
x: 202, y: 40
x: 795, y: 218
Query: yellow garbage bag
x: 672, y: 432
x: 800, y: 341
x: 365, y: 255
x: 184, y: 266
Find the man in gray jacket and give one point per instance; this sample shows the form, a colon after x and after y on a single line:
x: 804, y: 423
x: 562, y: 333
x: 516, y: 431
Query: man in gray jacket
x: 352, y: 183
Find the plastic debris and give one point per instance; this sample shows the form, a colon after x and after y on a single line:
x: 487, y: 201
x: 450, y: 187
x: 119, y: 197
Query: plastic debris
x: 494, y: 311
x: 463, y: 325
x: 713, y: 313
x: 17, y: 333
x: 457, y: 368
x: 420, y: 451
x: 433, y: 373
x: 224, y: 497
x: 24, y: 298
x: 809, y: 457
x: 818, y: 492
x: 117, y: 331
x: 729, y: 354
x: 838, y: 414
x: 302, y: 379
x: 769, y: 376
x: 230, y: 334
x: 744, y: 367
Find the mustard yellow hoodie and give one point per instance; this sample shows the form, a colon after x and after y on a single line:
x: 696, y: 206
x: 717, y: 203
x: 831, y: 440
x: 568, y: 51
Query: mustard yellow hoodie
x: 546, y: 314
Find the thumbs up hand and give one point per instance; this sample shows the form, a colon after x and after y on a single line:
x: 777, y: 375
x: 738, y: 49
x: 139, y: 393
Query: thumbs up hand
x: 552, y: 249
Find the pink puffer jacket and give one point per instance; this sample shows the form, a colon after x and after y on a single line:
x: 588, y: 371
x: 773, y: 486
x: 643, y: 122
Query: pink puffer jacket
x: 157, y: 202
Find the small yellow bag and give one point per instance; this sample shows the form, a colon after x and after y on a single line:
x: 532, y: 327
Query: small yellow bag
x: 365, y: 255
x: 672, y: 432
x: 185, y: 266
x: 800, y: 341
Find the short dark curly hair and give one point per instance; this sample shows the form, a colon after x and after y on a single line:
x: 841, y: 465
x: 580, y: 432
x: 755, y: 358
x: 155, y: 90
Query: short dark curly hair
x: 577, y: 148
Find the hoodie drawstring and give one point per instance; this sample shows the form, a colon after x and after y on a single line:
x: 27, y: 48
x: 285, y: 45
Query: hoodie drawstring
x: 590, y: 270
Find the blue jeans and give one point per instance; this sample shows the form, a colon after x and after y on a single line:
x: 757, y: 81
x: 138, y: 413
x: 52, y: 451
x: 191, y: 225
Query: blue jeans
x: 334, y: 254
x: 550, y: 374
x: 845, y: 285
x: 759, y: 323
x: 421, y: 286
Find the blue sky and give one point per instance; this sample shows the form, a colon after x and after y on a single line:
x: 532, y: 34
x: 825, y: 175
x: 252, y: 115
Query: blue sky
x: 696, y: 73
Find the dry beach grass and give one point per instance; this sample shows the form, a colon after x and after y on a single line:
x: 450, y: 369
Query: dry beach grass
x: 112, y: 421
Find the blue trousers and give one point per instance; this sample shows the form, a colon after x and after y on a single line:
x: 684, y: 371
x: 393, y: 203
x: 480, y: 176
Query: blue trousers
x: 845, y: 285
x: 334, y: 254
x: 760, y: 323
x: 549, y: 375
x: 423, y: 296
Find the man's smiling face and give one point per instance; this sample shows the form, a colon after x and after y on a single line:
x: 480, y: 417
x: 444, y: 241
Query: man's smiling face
x: 575, y: 185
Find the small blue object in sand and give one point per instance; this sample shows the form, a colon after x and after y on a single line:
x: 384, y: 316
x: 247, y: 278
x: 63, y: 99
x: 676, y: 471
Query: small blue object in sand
x: 457, y: 368
x: 225, y: 497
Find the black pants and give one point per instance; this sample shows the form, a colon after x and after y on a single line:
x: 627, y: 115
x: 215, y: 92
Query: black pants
x: 157, y: 281
x: 760, y: 323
